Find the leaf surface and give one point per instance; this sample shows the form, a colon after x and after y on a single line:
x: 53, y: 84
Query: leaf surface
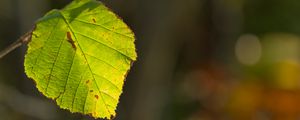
x: 79, y: 56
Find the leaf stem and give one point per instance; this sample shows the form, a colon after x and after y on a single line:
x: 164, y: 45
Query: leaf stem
x: 22, y: 40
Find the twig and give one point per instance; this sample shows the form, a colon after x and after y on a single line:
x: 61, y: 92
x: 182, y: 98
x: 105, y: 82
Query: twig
x: 22, y: 40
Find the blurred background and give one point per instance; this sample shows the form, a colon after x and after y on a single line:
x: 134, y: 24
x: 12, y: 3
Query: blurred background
x: 198, y: 60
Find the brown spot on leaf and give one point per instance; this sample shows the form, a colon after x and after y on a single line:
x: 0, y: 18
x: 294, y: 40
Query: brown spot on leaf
x: 94, y: 20
x: 97, y: 97
x: 87, y: 82
x: 91, y: 90
x: 70, y: 40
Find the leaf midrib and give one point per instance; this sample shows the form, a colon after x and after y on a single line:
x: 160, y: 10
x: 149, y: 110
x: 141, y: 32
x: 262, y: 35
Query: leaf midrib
x: 72, y: 31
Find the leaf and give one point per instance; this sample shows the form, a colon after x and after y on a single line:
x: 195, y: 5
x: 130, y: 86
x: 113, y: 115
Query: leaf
x: 79, y: 56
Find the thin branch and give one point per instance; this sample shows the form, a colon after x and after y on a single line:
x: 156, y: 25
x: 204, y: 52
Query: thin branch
x: 22, y: 40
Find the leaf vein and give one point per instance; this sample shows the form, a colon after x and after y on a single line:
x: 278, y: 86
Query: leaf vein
x: 38, y: 56
x: 68, y: 76
x: 73, y: 101
x: 53, y: 65
x: 115, y: 99
x: 111, y: 30
x: 103, y: 44
x: 104, y: 62
x: 109, y: 82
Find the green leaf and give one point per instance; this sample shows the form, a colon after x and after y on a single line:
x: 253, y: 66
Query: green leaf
x: 79, y: 56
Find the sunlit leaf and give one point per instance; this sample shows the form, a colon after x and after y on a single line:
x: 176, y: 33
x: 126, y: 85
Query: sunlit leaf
x: 79, y: 56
